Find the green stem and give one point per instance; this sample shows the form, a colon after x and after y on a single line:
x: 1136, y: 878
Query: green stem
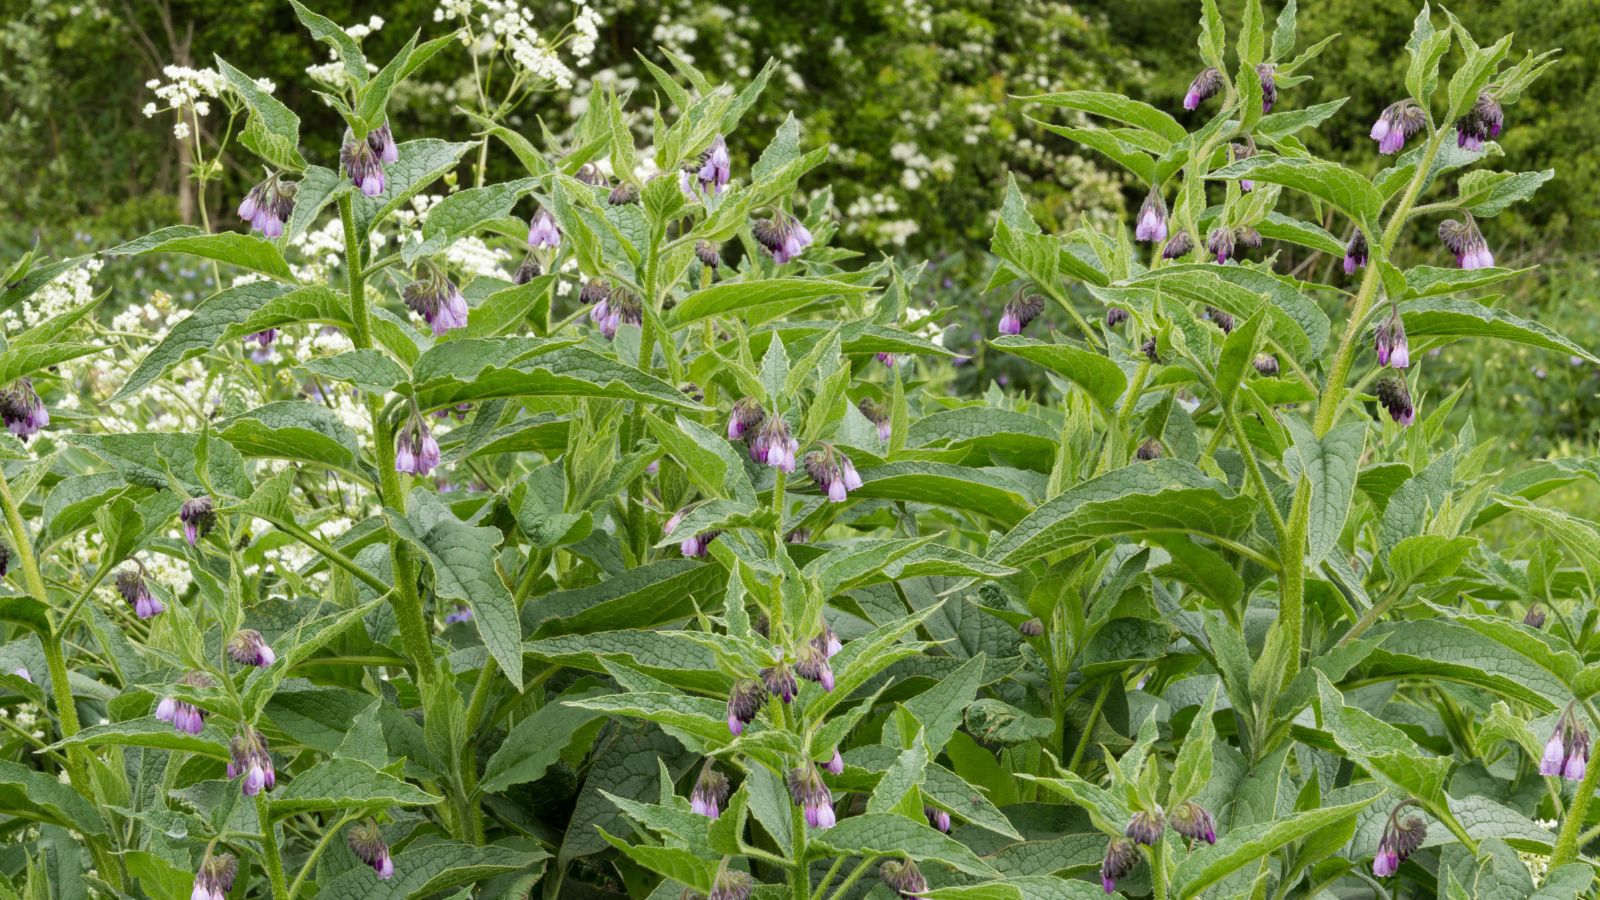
x: 1088, y: 726
x: 271, y: 857
x: 1253, y: 468
x: 316, y: 854
x: 827, y: 879
x: 854, y: 876
x: 800, y: 874
x: 1158, y: 869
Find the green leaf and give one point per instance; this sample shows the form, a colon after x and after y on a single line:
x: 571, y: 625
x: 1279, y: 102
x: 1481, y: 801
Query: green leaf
x: 565, y: 372
x: 1238, y: 352
x: 295, y: 430
x: 1427, y: 47
x: 200, y: 331
x: 23, y: 360
x: 273, y: 131
x: 1240, y: 847
x: 1453, y: 318
x: 507, y: 310
x: 1099, y: 377
x: 774, y: 373
x: 147, y: 459
x: 1486, y: 194
x: 535, y: 743
x: 154, y: 733
x: 248, y: 252
x: 370, y: 370
x: 1001, y: 494
x: 1382, y: 749
x: 345, y: 784
x: 764, y: 296
x: 1117, y: 108
x: 421, y: 163
x: 1324, y: 180
x: 425, y: 869
x: 462, y: 213
x: 881, y: 834
x: 1331, y: 464
x: 32, y: 794
x: 904, y: 776
x: 344, y: 46
x: 1191, y: 771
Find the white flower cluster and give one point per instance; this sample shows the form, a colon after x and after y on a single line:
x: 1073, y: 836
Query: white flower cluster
x: 332, y: 73
x: 868, y: 216
x: 918, y: 164
x: 509, y: 27
x: 189, y: 93
x: 69, y: 290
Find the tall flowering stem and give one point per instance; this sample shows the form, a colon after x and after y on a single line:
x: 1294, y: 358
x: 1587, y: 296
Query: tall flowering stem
x: 1566, y: 849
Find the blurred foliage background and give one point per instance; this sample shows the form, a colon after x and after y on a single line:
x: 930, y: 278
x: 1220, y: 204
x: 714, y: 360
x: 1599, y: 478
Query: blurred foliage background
x: 911, y: 96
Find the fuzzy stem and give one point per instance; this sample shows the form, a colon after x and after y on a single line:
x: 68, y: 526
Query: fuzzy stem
x: 271, y: 857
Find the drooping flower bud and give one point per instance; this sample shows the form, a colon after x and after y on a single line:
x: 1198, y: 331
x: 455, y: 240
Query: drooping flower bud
x: 1179, y: 246
x: 903, y: 876
x: 214, y: 879
x: 706, y: 252
x: 834, y: 766
x: 1394, y: 396
x: 731, y: 884
x: 198, y: 518
x: 542, y: 231
x: 812, y: 665
x: 1566, y: 753
x: 1266, y: 364
x: 1152, y: 222
x: 827, y: 642
x: 747, y: 416
x: 877, y: 414
x: 5, y: 560
x: 1019, y: 312
x: 24, y: 413
x: 784, y: 236
x: 622, y: 307
x: 595, y: 290
x: 1481, y: 122
x: 773, y: 445
x: 1194, y: 822
x: 833, y: 473
x: 527, y: 271
x: 1203, y: 88
x: 263, y: 341
x: 623, y: 194
x: 1269, y: 86
x: 1121, y: 857
x: 744, y: 702
x: 1244, y: 151
x: 1220, y: 243
x: 590, y: 174
x: 1400, y: 838
x: 1355, y: 252
x: 715, y: 167
x: 381, y: 140
x: 780, y: 682
x: 1148, y: 348
x: 132, y: 587
x: 367, y: 843
x: 1390, y: 343
x: 181, y: 714
x: 812, y: 796
x: 1032, y: 627
x: 268, y: 205
x: 363, y: 166
x: 1220, y: 319
x: 697, y: 545
x: 1149, y: 450
x: 250, y: 759
x: 416, y: 452
x: 1145, y: 827
x: 249, y: 648
x: 1115, y: 316
x: 1467, y: 243
x: 888, y: 359
x: 1397, y: 124
x: 1534, y: 617
x: 710, y: 792
x: 437, y: 300
x: 1247, y: 237
x: 937, y: 818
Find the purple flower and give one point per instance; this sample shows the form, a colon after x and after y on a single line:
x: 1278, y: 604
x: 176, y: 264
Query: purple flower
x: 878, y: 415
x: 827, y: 641
x: 784, y: 236
x: 132, y: 587
x: 773, y: 445
x: 1194, y: 822
x: 1567, y: 752
x: 1555, y: 754
x: 621, y: 308
x: 1145, y: 827
x: 812, y: 796
x: 1032, y: 627
x: 833, y: 473
x: 458, y: 613
x: 1220, y: 319
x: 263, y: 339
x: 1397, y: 124
x: 249, y: 648
x: 888, y: 359
x: 710, y: 792
x: 364, y: 166
x: 937, y: 818
x: 1467, y: 243
x: 214, y: 879
x: 697, y: 545
x: 1115, y: 316
x: 5, y: 560
x: 527, y: 271
x: 1220, y: 243
x: 1019, y: 312
x: 381, y: 140
x: 1152, y: 223
x: 250, y: 759
x: 812, y: 665
x: 1269, y: 87
x: 542, y: 230
x: 268, y: 205
x: 1121, y: 856
x: 623, y: 194
x: 1149, y: 450
x: 1481, y: 122
x: 1534, y: 617
x: 715, y: 167
x: 731, y: 884
x: 903, y: 876
x: 367, y: 843
x: 1390, y: 343
x: 437, y: 300
x: 24, y: 413
x: 1204, y: 86
x: 1355, y: 252
x: 1150, y: 351
x: 1244, y: 151
x: 182, y: 715
x: 590, y: 174
x: 744, y: 702
x: 198, y: 518
x: 1400, y: 838
x: 1394, y: 396
x: 706, y: 252
x: 747, y: 414
x: 1266, y: 364
x: 23, y: 673
x: 780, y: 682
x: 416, y: 452
x: 835, y: 766
x: 1179, y: 246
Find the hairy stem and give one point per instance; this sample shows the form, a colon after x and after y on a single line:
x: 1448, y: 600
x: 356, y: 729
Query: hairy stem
x: 271, y: 857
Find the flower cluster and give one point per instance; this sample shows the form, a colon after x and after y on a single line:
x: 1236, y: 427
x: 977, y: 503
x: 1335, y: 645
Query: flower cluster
x: 812, y: 796
x: 249, y: 648
x: 416, y: 452
x: 1019, y: 312
x: 437, y: 300
x: 214, y: 879
x: 1566, y: 753
x: 1401, y: 837
x: 250, y: 759
x: 24, y: 413
x: 367, y: 843
x: 710, y: 792
x: 198, y: 518
x: 131, y: 585
x: 185, y: 716
x: 783, y: 236
x: 833, y: 472
x: 363, y: 159
x: 1482, y: 121
x: 268, y: 206
x: 1399, y: 122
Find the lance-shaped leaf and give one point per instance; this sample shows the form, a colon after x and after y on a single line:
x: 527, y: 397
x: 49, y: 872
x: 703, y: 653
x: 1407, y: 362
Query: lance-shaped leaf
x: 1099, y: 377
x: 1382, y: 749
x: 254, y: 254
x: 1455, y: 318
x: 1328, y: 181
x: 347, y: 784
x: 768, y: 295
x: 883, y: 834
x: 1240, y: 847
x: 425, y: 869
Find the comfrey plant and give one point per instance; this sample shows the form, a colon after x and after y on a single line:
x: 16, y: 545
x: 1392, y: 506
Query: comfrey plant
x: 646, y: 548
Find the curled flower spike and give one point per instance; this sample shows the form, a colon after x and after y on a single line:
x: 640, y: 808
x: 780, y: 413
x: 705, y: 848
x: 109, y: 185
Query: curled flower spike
x: 710, y: 792
x: 1032, y: 627
x: 542, y: 231
x: 706, y: 252
x: 833, y: 472
x: 731, y: 884
x: 747, y: 415
x: 623, y: 194
x: 798, y: 536
x: 1152, y: 222
x: 744, y: 701
x: 1220, y: 319
x: 812, y: 796
x: 249, y: 648
x: 1019, y: 312
x: 1266, y: 364
x: 24, y: 413
x: 590, y: 174
x: 1247, y: 237
x: 214, y: 879
x: 1394, y: 396
x: 1481, y: 122
x: 813, y: 666
x: 1203, y: 88
x: 416, y: 452
x: 1400, y: 838
x: 363, y: 165
x: 367, y: 843
x: 1220, y: 243
x: 1244, y: 151
x: 184, y: 716
x: 198, y: 518
x: 1534, y: 617
x: 878, y: 415
x: 1355, y: 252
x: 1567, y: 752
x: 1145, y: 827
x: 457, y: 614
x: 1115, y: 316
x: 1149, y: 450
x: 1398, y: 123
x: 1390, y: 343
x: 621, y: 308
x: 1467, y: 243
x: 1179, y: 246
x: 715, y: 167
x: 1148, y: 348
x: 132, y: 587
x: 437, y: 300
x: 784, y: 236
x: 780, y: 682
x: 1121, y: 857
x: 1194, y: 822
x: 773, y: 445
x: 381, y: 140
x: 594, y: 291
x: 1269, y: 86
x: 904, y: 877
x: 251, y: 760
x: 937, y: 818
x: 835, y: 766
x: 827, y: 642
x: 697, y: 545
x: 268, y: 205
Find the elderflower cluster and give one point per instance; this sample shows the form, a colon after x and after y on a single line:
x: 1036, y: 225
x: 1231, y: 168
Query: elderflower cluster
x: 505, y: 26
x: 470, y: 255
x: 189, y: 91
x: 69, y: 290
x: 333, y: 73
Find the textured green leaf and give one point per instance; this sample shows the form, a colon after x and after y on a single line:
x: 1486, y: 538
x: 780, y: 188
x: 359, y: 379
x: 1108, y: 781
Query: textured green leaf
x: 345, y: 784
x: 152, y: 732
x: 199, y: 332
x: 536, y: 742
x: 1449, y: 317
x: 1099, y: 377
x: 887, y: 835
x: 999, y: 493
x: 1382, y: 749
x: 1330, y: 463
x: 463, y: 213
x: 1117, y: 108
x: 371, y: 370
x: 425, y: 870
x: 248, y: 252
x: 734, y: 297
x: 32, y: 794
x: 420, y: 164
x: 145, y: 459
x: 1234, y: 849
x: 1485, y: 194
x: 1321, y: 179
x: 273, y: 131
x: 294, y: 430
